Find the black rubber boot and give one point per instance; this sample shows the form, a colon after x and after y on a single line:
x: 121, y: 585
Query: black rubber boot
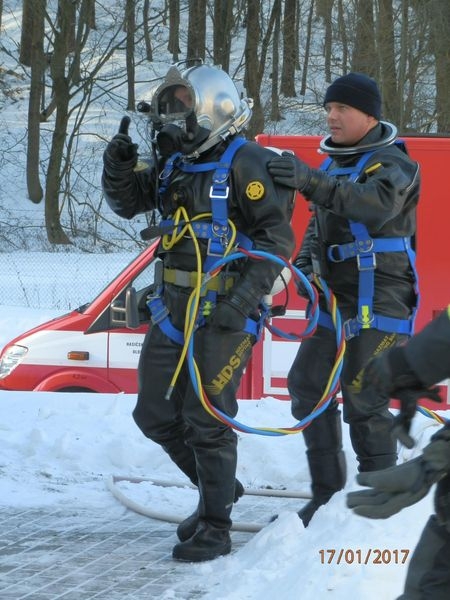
x: 216, y: 468
x: 183, y: 456
x: 188, y: 527
x: 207, y: 543
x: 326, y: 461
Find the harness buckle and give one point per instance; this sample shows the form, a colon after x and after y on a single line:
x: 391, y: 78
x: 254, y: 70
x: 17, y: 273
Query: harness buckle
x: 216, y: 191
x: 351, y: 328
x: 366, y: 262
x: 219, y: 241
x: 157, y: 308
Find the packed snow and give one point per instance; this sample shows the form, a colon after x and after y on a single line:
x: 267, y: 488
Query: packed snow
x: 62, y: 449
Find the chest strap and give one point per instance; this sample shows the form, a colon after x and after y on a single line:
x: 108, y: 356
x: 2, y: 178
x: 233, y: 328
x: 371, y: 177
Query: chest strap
x: 216, y: 231
x: 364, y: 248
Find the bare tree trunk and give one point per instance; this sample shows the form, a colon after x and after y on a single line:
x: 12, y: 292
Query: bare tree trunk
x: 68, y: 7
x: 275, y: 113
x: 223, y: 26
x: 87, y: 15
x: 1, y: 12
x: 35, y: 192
x: 402, y: 62
x: 327, y: 9
x: 364, y: 57
x: 388, y: 79
x: 174, y: 29
x: 147, y: 37
x: 440, y: 23
x: 307, y: 48
x: 26, y: 36
x: 252, y: 78
x: 343, y: 35
x: 55, y: 232
x: 90, y: 14
x: 287, y: 84
x: 196, y: 30
x: 130, y: 20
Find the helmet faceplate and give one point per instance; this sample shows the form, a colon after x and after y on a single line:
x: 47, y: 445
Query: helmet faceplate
x: 209, y: 94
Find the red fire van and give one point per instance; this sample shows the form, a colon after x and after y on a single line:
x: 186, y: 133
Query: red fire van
x: 96, y: 348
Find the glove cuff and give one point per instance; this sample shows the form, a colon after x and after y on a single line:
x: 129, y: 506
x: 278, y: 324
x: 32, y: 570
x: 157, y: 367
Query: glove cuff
x: 319, y: 188
x: 436, y: 456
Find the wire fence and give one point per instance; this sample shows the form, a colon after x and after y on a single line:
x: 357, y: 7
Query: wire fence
x: 57, y: 280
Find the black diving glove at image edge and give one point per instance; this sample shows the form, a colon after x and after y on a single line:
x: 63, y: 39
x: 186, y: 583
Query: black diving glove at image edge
x: 400, y: 486
x: 409, y: 398
x: 389, y: 374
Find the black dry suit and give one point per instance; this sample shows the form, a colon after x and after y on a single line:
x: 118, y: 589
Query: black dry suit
x: 203, y: 447
x: 360, y: 240
x: 428, y: 578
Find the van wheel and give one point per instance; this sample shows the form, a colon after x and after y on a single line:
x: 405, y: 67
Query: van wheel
x: 78, y: 390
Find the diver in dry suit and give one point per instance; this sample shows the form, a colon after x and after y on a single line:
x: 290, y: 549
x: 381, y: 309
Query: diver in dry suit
x: 213, y: 192
x: 407, y: 373
x: 360, y: 240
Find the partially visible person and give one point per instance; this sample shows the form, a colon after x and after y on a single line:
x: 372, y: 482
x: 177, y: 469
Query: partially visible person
x: 360, y: 240
x: 407, y: 373
x: 214, y: 194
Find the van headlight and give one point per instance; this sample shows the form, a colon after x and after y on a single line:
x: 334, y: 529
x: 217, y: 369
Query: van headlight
x: 12, y: 357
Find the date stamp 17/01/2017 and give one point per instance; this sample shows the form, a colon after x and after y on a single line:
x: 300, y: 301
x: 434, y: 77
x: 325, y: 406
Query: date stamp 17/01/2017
x: 372, y: 556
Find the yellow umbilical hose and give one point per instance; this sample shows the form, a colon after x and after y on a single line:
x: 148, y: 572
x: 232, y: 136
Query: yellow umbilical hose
x: 183, y: 223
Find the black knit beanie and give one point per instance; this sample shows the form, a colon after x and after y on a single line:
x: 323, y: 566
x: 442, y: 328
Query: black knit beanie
x: 357, y: 90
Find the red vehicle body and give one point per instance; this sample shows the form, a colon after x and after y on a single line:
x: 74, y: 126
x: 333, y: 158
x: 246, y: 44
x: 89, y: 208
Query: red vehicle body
x: 92, y: 349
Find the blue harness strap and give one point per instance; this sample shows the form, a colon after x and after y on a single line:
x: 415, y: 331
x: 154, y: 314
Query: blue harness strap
x: 364, y: 248
x: 216, y: 231
x: 160, y: 316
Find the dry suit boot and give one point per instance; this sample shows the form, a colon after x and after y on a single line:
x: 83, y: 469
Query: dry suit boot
x: 207, y: 543
x: 326, y: 461
x: 188, y: 527
x: 216, y: 469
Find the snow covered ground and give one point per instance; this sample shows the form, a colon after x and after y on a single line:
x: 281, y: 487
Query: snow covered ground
x: 60, y: 449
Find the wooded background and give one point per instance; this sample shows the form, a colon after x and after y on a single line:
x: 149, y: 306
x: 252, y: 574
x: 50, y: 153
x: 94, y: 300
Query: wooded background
x: 75, y: 65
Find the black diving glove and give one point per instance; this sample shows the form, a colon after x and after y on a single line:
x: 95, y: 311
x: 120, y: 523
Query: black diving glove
x: 228, y: 315
x: 232, y: 311
x: 389, y: 374
x: 409, y: 398
x: 121, y: 154
x: 403, y: 485
x: 290, y: 171
x: 315, y: 185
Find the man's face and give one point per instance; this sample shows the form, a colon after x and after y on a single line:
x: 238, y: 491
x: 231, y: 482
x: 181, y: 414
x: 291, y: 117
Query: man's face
x: 184, y: 96
x: 347, y: 125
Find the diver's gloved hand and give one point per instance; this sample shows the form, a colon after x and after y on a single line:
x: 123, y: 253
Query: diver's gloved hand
x: 398, y: 487
x: 389, y: 374
x: 409, y: 398
x: 228, y: 314
x: 290, y: 171
x: 121, y: 154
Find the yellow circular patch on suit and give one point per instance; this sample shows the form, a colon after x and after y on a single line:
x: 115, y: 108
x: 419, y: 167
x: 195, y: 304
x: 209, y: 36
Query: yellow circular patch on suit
x: 255, y: 190
x: 141, y: 165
